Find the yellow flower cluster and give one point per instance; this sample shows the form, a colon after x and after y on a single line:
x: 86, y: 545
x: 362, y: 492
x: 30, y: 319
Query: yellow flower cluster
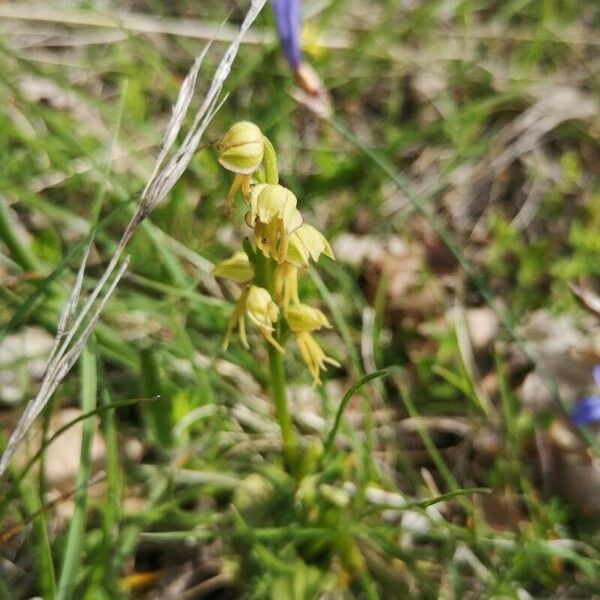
x: 282, y: 237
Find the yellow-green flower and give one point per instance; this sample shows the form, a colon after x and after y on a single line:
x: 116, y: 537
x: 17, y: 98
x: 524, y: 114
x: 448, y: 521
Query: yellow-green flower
x: 237, y: 268
x: 302, y: 317
x: 241, y: 151
x: 274, y: 216
x: 256, y: 304
x: 307, y: 242
x: 313, y: 356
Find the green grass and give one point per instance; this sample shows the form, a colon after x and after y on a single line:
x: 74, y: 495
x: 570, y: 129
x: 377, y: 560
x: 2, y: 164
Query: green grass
x: 425, y: 100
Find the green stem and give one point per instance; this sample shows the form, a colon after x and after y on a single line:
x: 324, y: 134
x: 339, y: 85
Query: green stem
x: 265, y: 271
x: 75, y: 539
x: 40, y: 541
x: 277, y: 376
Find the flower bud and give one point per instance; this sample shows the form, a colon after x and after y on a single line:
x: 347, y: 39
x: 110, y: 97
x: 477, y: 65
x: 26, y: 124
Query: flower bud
x: 241, y: 149
x: 261, y: 310
x: 302, y: 317
x: 237, y: 268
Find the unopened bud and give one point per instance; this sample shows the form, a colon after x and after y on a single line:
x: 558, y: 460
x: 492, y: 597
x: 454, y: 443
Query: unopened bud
x: 237, y: 268
x: 261, y: 310
x: 241, y: 149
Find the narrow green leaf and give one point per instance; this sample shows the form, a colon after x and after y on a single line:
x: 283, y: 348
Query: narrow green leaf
x: 450, y: 495
x: 340, y: 411
x: 76, y: 534
x: 40, y: 543
x: 158, y: 413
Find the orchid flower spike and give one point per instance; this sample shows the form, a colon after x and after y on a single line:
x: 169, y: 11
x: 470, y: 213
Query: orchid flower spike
x: 587, y: 410
x: 284, y: 246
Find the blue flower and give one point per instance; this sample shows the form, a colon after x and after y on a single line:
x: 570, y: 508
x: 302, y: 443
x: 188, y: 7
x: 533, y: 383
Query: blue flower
x: 588, y: 410
x: 287, y: 20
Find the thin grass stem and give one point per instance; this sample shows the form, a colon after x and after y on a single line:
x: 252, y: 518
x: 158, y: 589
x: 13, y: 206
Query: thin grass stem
x: 75, y: 537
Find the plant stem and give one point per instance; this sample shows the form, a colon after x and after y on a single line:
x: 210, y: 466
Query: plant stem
x: 265, y: 277
x: 277, y: 376
x: 40, y: 542
x: 75, y: 539
x: 264, y: 269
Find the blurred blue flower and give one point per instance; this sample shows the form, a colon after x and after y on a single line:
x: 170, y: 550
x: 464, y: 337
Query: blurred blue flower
x: 287, y: 20
x: 588, y: 410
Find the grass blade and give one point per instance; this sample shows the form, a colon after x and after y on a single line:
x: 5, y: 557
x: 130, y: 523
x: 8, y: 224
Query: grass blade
x: 40, y: 541
x: 158, y: 413
x: 72, y: 555
x: 340, y: 411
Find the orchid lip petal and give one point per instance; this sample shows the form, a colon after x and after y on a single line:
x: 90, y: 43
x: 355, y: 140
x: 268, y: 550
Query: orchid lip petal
x: 586, y: 411
x: 287, y: 21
